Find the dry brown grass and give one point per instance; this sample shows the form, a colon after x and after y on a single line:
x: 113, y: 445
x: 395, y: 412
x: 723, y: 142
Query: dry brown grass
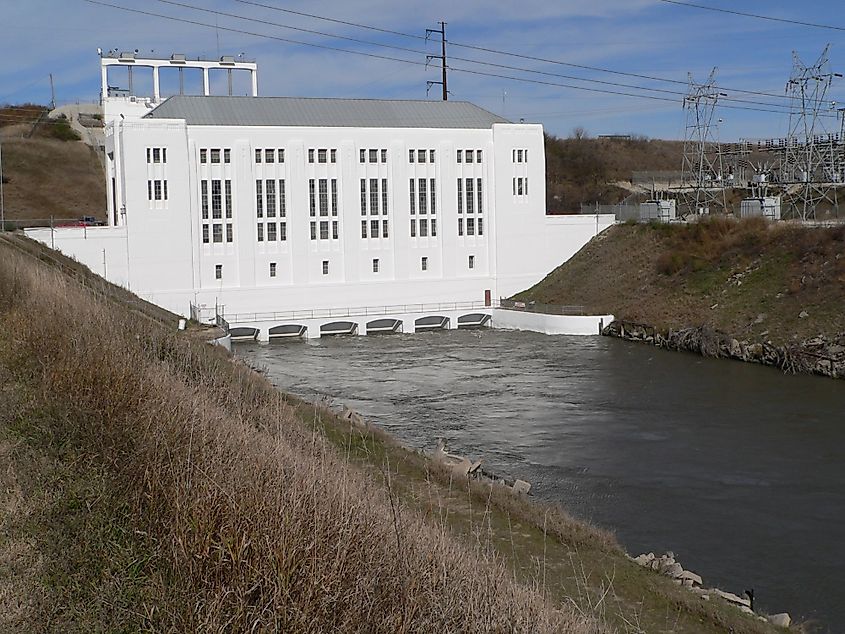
x: 748, y: 278
x: 206, y: 504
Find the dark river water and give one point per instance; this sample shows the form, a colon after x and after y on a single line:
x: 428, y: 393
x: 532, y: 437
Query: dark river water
x: 738, y: 469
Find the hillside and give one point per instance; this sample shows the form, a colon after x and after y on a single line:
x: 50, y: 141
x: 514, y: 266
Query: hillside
x: 47, y: 170
x: 153, y: 483
x: 584, y: 170
x: 756, y: 281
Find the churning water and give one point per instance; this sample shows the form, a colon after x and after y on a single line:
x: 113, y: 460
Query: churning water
x: 736, y: 468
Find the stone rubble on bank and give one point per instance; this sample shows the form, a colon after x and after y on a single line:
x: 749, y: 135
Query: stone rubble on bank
x: 667, y: 565
x: 818, y: 355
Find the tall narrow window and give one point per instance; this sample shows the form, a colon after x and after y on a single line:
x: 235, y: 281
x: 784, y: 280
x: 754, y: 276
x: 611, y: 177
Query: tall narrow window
x: 410, y: 156
x: 431, y: 193
x: 433, y: 227
x: 413, y: 228
x: 374, y: 228
x: 424, y: 263
x: 204, y: 196
x: 217, y: 233
x: 460, y: 226
x: 334, y: 197
x: 230, y: 236
x: 257, y: 156
x: 205, y: 234
x: 271, y: 232
x: 312, y: 197
x: 362, y: 155
x: 384, y: 156
x: 333, y: 156
x: 468, y: 156
x: 363, y: 196
x: 460, y: 156
x: 216, y: 200
x: 260, y: 236
x: 470, y: 226
x: 203, y: 156
x: 311, y: 155
x: 480, y: 207
x: 413, y: 198
x: 375, y: 265
x: 228, y: 192
x: 313, y: 230
x: 384, y: 228
x: 282, y: 203
x: 157, y: 190
x: 324, y: 197
x: 363, y: 228
x: 321, y: 156
x: 423, y: 228
x: 259, y: 198
x: 281, y: 155
x: 324, y: 230
x: 460, y: 196
x: 526, y: 185
x: 156, y: 155
x: 384, y: 196
x: 374, y: 196
x: 271, y: 198
x: 481, y: 226
x: 470, y: 196
x: 148, y: 156
x: 269, y: 155
x: 149, y: 190
x: 431, y: 156
x: 471, y: 261
x: 215, y: 156
x: 283, y: 231
x: 373, y: 156
x: 478, y: 156
x: 423, y: 197
x: 218, y: 271
x: 420, y: 156
x: 164, y: 184
x: 325, y: 267
x: 272, y: 269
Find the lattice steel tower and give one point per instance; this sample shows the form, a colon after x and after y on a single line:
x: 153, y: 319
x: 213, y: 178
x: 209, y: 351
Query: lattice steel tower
x: 703, y: 189
x: 808, y: 172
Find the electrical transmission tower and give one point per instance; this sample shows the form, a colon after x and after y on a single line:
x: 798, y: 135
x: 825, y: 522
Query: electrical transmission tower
x: 811, y: 159
x: 703, y: 188
x: 442, y: 57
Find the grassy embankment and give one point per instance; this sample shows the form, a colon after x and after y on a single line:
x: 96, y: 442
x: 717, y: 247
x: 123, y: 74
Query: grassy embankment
x: 751, y: 279
x: 47, y: 171
x: 151, y: 482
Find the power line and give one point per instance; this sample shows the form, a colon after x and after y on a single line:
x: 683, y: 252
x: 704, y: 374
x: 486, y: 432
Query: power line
x: 754, y: 15
x: 413, y: 62
x: 443, y: 65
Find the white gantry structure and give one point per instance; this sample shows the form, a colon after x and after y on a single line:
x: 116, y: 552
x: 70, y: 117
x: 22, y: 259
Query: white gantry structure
x: 302, y: 215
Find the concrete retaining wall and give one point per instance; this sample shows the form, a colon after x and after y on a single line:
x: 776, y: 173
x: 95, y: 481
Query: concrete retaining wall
x: 550, y: 324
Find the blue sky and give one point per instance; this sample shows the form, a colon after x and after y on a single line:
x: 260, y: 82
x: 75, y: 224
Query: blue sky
x: 645, y: 37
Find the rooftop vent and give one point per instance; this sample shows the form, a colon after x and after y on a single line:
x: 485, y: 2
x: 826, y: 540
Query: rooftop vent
x: 177, y: 58
x: 127, y: 56
x: 227, y: 60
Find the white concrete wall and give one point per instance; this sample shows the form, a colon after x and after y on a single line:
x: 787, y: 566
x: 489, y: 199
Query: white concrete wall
x: 170, y: 265
x: 549, y: 324
x: 101, y: 249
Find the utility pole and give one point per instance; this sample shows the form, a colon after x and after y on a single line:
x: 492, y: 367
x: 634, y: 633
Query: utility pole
x: 441, y: 57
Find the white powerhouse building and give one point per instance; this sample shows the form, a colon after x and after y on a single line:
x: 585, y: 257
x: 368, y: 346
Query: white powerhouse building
x: 275, y: 209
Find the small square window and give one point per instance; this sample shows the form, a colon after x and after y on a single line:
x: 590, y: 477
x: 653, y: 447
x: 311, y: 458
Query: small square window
x: 333, y: 154
x: 325, y: 267
x: 424, y: 263
x: 311, y: 155
x: 471, y: 261
x: 227, y: 156
x: 272, y: 269
x: 203, y: 156
x: 321, y: 155
x: 215, y: 156
x: 373, y: 156
x: 384, y: 156
x: 375, y: 265
x: 362, y: 155
x: 257, y: 156
x: 218, y: 271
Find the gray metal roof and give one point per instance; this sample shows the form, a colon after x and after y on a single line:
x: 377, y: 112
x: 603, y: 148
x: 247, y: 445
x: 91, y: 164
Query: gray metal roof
x: 324, y: 113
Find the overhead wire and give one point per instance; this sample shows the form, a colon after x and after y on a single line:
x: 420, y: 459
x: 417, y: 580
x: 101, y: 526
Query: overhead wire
x: 754, y: 15
x: 461, y: 59
x: 407, y: 61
